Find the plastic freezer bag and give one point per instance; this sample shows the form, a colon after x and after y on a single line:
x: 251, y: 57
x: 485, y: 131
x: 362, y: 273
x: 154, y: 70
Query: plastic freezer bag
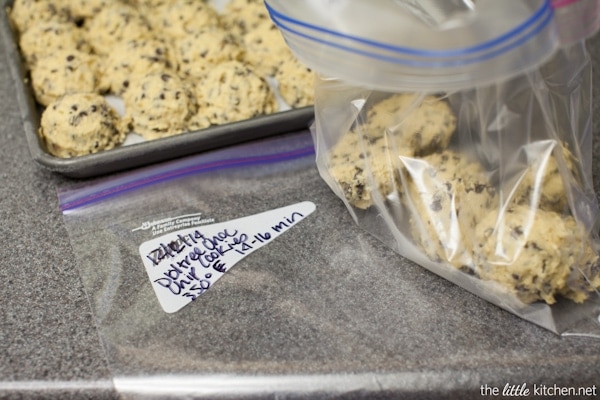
x: 151, y: 242
x: 473, y: 160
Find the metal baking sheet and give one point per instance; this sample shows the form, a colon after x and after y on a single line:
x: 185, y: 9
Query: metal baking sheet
x: 137, y: 154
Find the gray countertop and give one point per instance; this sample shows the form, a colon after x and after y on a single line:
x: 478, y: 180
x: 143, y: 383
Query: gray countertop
x: 434, y: 341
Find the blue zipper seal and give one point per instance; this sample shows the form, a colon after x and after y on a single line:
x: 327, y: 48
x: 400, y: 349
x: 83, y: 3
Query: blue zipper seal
x: 490, y: 49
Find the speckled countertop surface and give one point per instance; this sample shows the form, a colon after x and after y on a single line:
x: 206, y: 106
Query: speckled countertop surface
x: 434, y: 341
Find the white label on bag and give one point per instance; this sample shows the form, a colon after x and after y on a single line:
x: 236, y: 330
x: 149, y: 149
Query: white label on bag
x: 184, y: 264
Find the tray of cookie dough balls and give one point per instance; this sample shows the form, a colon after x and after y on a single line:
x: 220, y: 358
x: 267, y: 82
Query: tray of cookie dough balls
x: 108, y: 85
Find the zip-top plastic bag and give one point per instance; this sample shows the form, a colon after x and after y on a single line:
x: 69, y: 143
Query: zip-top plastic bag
x: 459, y: 133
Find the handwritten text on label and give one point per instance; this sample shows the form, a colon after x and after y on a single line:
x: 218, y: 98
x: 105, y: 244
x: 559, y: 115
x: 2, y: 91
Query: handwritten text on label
x: 182, y: 265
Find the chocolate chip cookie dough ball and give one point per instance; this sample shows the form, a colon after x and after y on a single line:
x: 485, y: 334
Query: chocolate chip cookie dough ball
x: 295, y: 82
x: 533, y: 254
x: 265, y: 48
x: 366, y: 158
x: 180, y: 18
x: 27, y: 13
x: 115, y: 24
x: 134, y: 58
x: 158, y: 105
x: 231, y: 92
x: 79, y: 124
x: 447, y: 194
x: 201, y: 51
x: 584, y: 279
x: 64, y: 72
x: 542, y: 183
x: 48, y: 37
x: 242, y: 16
x: 363, y: 166
x: 421, y: 123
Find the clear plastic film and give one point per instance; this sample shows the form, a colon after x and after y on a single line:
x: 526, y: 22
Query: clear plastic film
x: 482, y: 175
x: 416, y: 45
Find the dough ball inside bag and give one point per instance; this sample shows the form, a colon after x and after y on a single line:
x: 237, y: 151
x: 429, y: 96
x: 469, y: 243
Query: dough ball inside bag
x: 536, y: 254
x: 365, y: 159
x: 361, y: 164
x: 542, y: 183
x: 447, y: 193
x: 420, y: 123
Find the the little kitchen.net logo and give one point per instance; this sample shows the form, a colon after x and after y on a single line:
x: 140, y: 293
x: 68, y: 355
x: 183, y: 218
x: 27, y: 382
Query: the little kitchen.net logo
x: 539, y: 391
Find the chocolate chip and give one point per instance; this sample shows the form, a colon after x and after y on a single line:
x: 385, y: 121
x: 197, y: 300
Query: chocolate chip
x: 467, y: 270
x: 517, y: 232
x: 436, y: 204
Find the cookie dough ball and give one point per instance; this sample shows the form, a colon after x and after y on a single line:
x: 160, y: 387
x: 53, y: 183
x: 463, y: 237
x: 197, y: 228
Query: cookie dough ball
x: 134, y: 58
x: 178, y: 19
x: 79, y: 124
x: 584, y: 279
x: 47, y: 37
x: 200, y: 51
x: 27, y: 13
x: 295, y: 82
x: 64, y: 72
x: 115, y: 24
x: 363, y: 165
x: 242, y: 16
x: 532, y: 253
x: 231, y: 92
x: 366, y: 158
x: 544, y: 178
x: 447, y: 193
x: 158, y: 105
x: 265, y: 48
x: 422, y: 123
